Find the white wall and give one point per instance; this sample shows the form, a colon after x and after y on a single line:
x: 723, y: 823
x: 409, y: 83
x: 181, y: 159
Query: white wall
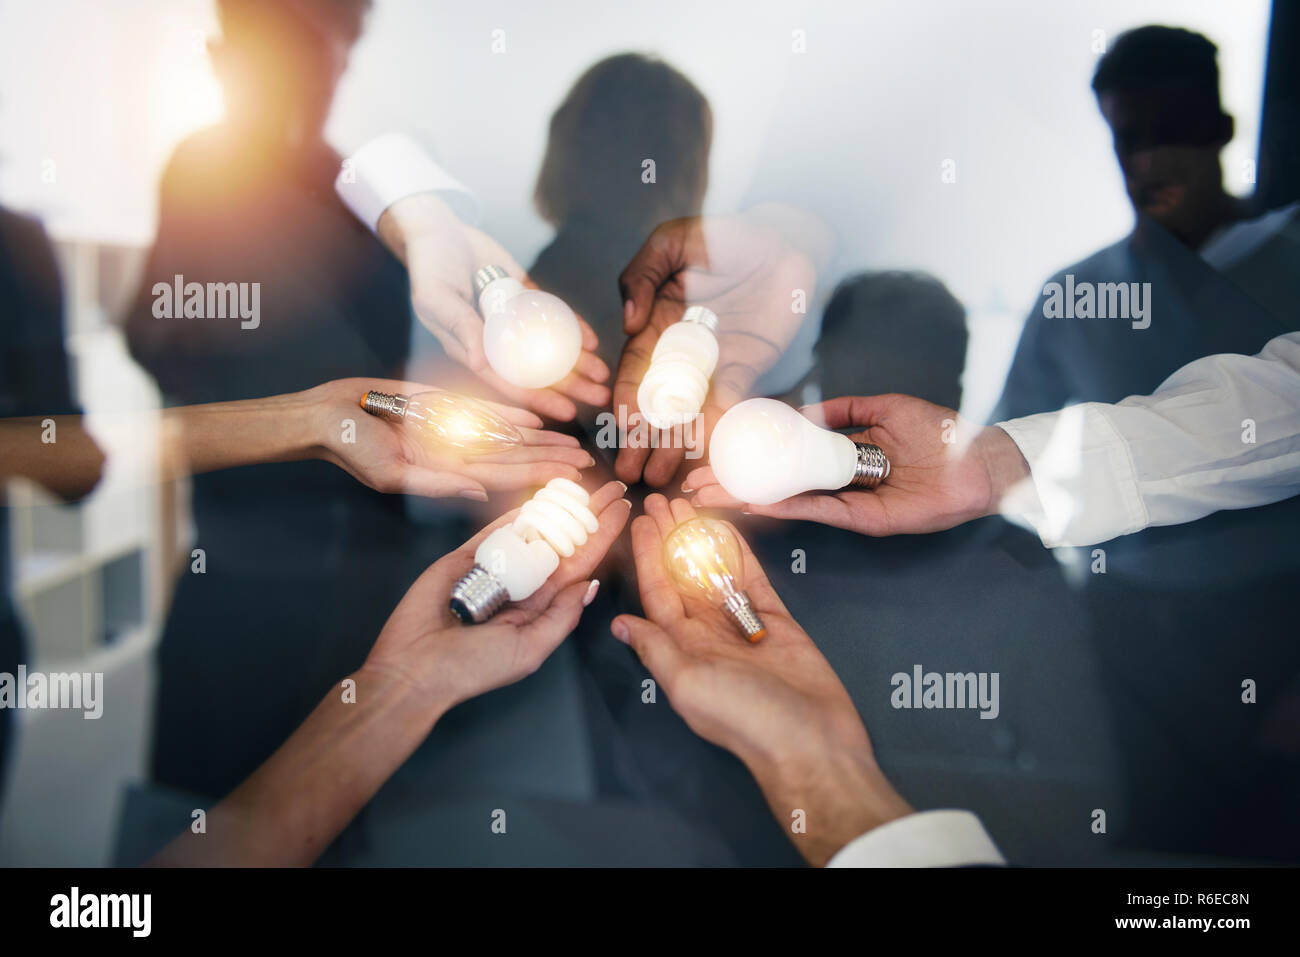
x: 857, y: 126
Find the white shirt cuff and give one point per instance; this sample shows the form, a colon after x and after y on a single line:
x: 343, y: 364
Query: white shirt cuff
x: 924, y: 839
x: 1083, y: 475
x: 392, y: 167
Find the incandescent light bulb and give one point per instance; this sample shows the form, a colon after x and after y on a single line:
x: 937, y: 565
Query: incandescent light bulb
x: 531, y: 338
x: 447, y: 419
x: 704, y: 559
x: 763, y: 451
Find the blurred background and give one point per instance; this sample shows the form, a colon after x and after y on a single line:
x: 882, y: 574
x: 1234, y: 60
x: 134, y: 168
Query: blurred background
x: 882, y: 99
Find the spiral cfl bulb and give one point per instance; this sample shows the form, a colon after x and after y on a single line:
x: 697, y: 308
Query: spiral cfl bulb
x: 763, y: 451
x: 677, y: 380
x: 515, y: 561
x: 531, y: 338
x: 447, y: 419
x: 704, y: 559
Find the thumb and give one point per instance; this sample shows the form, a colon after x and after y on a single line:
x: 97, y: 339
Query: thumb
x: 849, y: 411
x: 654, y: 646
x: 545, y: 632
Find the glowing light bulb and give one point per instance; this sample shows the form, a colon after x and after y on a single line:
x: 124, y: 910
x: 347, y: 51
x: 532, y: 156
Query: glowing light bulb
x: 531, y: 338
x: 677, y: 381
x: 515, y: 561
x: 446, y: 419
x: 704, y: 559
x: 763, y: 451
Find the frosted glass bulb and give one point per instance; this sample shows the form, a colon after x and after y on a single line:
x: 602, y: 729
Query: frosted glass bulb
x: 763, y: 451
x: 515, y: 561
x: 531, y: 338
x: 677, y: 381
x: 446, y: 419
x: 704, y: 559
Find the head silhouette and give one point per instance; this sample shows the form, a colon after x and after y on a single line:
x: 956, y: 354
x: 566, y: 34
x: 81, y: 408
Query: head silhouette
x: 624, y: 111
x: 279, y: 62
x: 892, y: 331
x: 1158, y: 88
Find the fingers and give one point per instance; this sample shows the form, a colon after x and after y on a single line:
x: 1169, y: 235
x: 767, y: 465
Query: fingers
x: 653, y: 263
x: 543, y: 401
x: 658, y: 508
x: 659, y: 597
x: 544, y: 633
x: 591, y: 366
x: 655, y: 647
x: 520, y: 418
x: 578, y: 386
x: 849, y: 411
x: 507, y: 477
x: 590, y: 341
x: 444, y: 312
x: 572, y: 455
x: 612, y: 511
x: 663, y: 463
x: 546, y: 438
x: 430, y: 483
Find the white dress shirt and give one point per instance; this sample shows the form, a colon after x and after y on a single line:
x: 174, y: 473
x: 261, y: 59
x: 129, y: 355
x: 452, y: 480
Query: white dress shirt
x: 1222, y: 432
x: 392, y: 167
x: 923, y: 839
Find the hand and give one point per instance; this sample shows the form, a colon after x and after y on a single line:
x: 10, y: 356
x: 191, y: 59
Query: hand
x: 425, y: 647
x: 943, y: 470
x: 777, y: 705
x: 441, y: 255
x: 748, y: 271
x: 389, y: 457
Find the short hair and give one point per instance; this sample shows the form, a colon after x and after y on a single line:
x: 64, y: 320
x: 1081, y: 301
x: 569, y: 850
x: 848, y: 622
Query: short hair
x: 1154, y: 56
x: 624, y: 110
x: 893, y: 331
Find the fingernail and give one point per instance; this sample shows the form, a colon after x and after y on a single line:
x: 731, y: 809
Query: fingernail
x: 686, y: 489
x: 623, y: 485
x: 591, y: 592
x: 628, y: 309
x: 475, y: 494
x: 626, y: 501
x: 619, y: 631
x: 590, y: 462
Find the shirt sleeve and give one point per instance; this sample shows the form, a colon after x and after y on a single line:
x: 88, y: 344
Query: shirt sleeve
x: 392, y: 167
x: 1222, y: 432
x: 924, y: 839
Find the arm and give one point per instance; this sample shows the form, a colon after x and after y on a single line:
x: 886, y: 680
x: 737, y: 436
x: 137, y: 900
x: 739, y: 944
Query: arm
x: 418, y: 211
x: 1080, y: 476
x: 321, y: 423
x: 423, y: 663
x: 779, y: 707
x: 1222, y: 432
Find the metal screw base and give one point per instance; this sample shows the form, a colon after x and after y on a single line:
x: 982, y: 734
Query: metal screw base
x: 743, y: 616
x: 704, y: 316
x: 872, y: 467
x: 478, y: 596
x: 384, y: 404
x: 484, y: 276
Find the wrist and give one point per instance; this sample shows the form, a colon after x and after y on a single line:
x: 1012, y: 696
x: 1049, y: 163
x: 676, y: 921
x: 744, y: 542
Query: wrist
x: 414, y: 704
x: 409, y: 220
x: 1004, y: 465
x: 827, y: 796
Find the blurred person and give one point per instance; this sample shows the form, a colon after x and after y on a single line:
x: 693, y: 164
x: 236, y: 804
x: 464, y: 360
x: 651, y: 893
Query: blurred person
x: 249, y: 204
x: 879, y: 607
x: 1196, y: 277
x: 35, y: 379
x: 591, y: 187
x: 890, y: 331
x: 424, y: 663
